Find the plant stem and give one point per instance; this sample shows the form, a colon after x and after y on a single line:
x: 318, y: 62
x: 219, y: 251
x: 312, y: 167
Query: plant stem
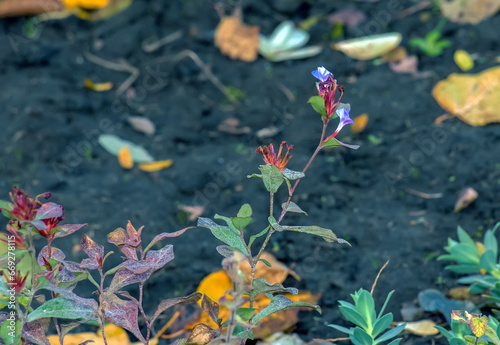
x: 33, y: 278
x: 290, y: 193
x: 230, y: 326
x: 148, y: 326
x: 100, y: 312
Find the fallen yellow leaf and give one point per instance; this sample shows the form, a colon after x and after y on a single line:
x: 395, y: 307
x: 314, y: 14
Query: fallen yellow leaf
x: 359, y: 124
x: 156, y: 166
x: 469, y: 11
x: 369, y: 47
x: 422, y: 328
x: 88, y: 4
x: 98, y: 87
x: 114, y: 335
x: 473, y: 98
x: 236, y: 39
x: 216, y: 284
x: 463, y: 60
x: 125, y: 158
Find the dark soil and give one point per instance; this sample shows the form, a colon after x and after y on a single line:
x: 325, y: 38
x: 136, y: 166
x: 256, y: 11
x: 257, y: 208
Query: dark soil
x: 52, y: 122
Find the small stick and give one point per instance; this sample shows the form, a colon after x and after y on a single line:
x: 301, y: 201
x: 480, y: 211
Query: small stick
x: 424, y: 195
x: 331, y: 340
x: 167, y: 325
x: 422, y: 5
x: 196, y: 59
x: 378, y: 275
x: 150, y: 47
x: 288, y: 94
x: 120, y: 66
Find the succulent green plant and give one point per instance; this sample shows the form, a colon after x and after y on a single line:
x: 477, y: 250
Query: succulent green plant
x: 368, y: 325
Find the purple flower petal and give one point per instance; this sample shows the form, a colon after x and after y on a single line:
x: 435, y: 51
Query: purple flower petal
x: 344, y: 117
x: 321, y: 73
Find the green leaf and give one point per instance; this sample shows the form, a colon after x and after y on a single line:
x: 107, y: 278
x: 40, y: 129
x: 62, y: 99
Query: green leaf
x: 62, y: 308
x: 488, y: 261
x: 466, y: 254
x: 293, y: 207
x: 327, y: 234
x: 353, y: 316
x: 457, y: 341
x: 245, y: 211
x: 332, y: 142
x: 11, y: 331
x: 395, y: 342
x: 390, y: 334
x: 292, y: 174
x: 444, y: 332
x: 385, y: 304
x: 113, y: 144
x: 4, y: 205
x: 268, y: 264
x: 256, y: 236
x: 260, y: 285
x: 224, y: 234
x: 382, y: 324
x: 280, y: 303
x: 361, y: 336
x: 491, y: 243
x: 274, y: 224
x: 272, y: 177
x: 229, y: 223
x: 318, y: 104
x: 365, y: 306
x: 245, y: 313
x: 241, y: 223
x: 342, y: 329
x: 464, y: 237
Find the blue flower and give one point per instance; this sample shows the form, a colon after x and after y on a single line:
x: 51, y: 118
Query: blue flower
x: 343, y: 114
x: 322, y: 74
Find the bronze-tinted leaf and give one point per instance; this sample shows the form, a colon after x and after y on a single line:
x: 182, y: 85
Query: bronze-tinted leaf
x: 93, y: 250
x: 55, y: 253
x: 466, y: 197
x: 121, y: 313
x: 34, y: 332
x: 159, y: 258
x: 127, y: 240
x: 168, y: 303
x: 68, y: 229
x: 49, y: 210
x: 201, y: 335
x: 210, y: 307
x: 164, y: 235
x: 125, y: 276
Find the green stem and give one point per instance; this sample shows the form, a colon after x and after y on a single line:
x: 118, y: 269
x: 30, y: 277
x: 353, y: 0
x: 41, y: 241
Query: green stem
x: 33, y: 278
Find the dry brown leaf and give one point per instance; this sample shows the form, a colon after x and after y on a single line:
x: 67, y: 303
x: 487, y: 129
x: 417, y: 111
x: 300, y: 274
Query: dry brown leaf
x: 236, y: 39
x: 408, y: 64
x: 469, y: 11
x: 230, y: 125
x: 98, y: 86
x: 348, y: 16
x: 369, y: 47
x: 114, y: 335
x: 125, y: 158
x: 422, y: 328
x: 194, y: 211
x: 277, y: 273
x: 156, y: 166
x: 216, y: 285
x: 142, y: 124
x: 473, y: 98
x: 461, y: 292
x: 14, y: 8
x: 396, y: 55
x: 466, y: 197
x: 359, y: 124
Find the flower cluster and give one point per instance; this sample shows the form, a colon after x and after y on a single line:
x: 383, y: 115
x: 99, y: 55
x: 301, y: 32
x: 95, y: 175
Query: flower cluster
x: 270, y: 156
x: 24, y: 207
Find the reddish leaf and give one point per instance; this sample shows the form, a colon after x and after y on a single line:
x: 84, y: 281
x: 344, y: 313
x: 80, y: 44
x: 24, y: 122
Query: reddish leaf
x: 164, y: 235
x: 94, y: 251
x: 159, y: 258
x: 121, y: 313
x: 34, y: 332
x: 55, y: 253
x: 201, y: 335
x: 127, y: 240
x: 68, y: 229
x: 49, y: 210
x: 168, y: 303
x: 210, y: 307
x: 126, y: 277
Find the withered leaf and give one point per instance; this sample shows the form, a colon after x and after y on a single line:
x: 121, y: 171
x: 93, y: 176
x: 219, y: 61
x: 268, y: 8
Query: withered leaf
x: 469, y: 11
x: 473, y: 98
x: 121, y: 313
x: 127, y: 240
x: 159, y: 258
x: 201, y: 335
x: 142, y: 124
x: 164, y: 235
x: 34, y: 332
x: 210, y: 307
x: 169, y: 303
x: 236, y: 39
x: 466, y: 197
x: 14, y: 8
x: 93, y: 250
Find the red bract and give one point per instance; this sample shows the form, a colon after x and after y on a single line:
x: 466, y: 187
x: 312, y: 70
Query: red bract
x: 20, y: 243
x: 24, y: 207
x: 18, y: 281
x: 270, y: 156
x: 327, y: 87
x: 50, y: 224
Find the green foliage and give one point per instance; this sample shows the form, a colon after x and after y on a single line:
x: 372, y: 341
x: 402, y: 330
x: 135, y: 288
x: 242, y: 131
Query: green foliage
x: 461, y: 332
x: 432, y: 44
x: 369, y: 326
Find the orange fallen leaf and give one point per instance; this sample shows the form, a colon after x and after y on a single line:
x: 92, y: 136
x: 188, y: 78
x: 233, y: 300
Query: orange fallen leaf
x: 236, y: 39
x: 88, y: 4
x: 125, y: 158
x: 359, y: 124
x: 216, y: 284
x: 396, y: 55
x: 14, y: 8
x: 469, y: 11
x: 114, y: 335
x: 98, y: 86
x: 463, y: 60
x: 156, y: 166
x: 473, y: 98
x: 194, y: 211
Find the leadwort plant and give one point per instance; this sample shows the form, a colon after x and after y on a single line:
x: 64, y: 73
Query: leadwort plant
x: 236, y: 248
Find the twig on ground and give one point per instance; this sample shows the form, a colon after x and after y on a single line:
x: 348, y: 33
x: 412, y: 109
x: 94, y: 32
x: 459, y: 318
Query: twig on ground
x: 150, y: 47
x: 424, y: 195
x: 205, y: 69
x: 120, y: 66
x: 420, y: 6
